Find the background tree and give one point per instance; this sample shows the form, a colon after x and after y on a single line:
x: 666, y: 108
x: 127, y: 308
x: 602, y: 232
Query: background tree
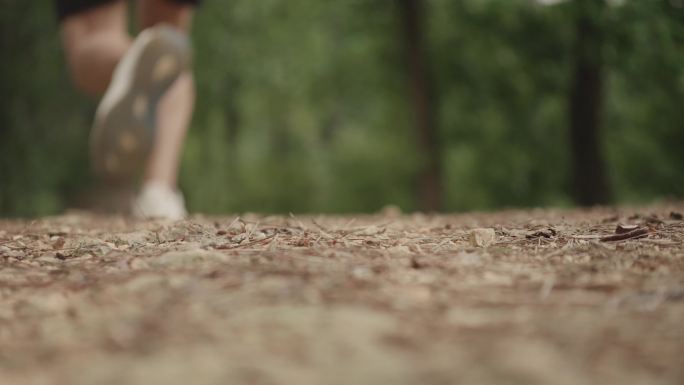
x: 591, y: 183
x: 429, y: 182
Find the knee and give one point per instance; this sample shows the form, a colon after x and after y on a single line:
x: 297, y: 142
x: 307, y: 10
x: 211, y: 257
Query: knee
x: 175, y: 13
x: 93, y: 41
x: 91, y: 58
x: 77, y: 59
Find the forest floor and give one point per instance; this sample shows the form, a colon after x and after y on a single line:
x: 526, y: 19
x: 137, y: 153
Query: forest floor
x: 373, y: 299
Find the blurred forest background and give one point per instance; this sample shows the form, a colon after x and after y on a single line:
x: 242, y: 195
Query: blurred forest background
x: 346, y: 106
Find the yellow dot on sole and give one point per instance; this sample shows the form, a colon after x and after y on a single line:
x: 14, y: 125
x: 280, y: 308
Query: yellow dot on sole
x: 164, y: 67
x: 128, y: 142
x: 140, y: 106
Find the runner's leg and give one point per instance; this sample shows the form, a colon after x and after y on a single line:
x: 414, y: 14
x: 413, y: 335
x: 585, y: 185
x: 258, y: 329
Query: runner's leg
x: 176, y: 107
x: 94, y: 40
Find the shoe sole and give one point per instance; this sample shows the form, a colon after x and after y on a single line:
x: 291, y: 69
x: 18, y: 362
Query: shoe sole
x: 124, y: 128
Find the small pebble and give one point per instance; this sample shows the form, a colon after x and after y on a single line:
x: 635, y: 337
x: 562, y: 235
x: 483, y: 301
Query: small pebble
x: 482, y: 237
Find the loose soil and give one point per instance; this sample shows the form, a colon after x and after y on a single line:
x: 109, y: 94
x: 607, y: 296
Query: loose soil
x: 374, y: 299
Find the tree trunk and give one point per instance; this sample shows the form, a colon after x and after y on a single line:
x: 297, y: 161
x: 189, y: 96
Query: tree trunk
x: 429, y: 182
x: 590, y: 180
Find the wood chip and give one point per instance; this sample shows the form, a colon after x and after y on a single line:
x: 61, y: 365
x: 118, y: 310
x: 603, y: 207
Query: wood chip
x: 622, y: 228
x: 58, y: 243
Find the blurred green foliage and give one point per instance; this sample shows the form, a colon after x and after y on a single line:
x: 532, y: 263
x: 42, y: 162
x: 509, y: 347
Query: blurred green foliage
x: 303, y: 106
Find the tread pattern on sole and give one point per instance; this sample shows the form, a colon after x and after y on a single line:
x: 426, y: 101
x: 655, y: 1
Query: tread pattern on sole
x: 123, y: 133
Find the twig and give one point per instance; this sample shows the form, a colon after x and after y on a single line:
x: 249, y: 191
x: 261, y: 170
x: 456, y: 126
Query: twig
x: 233, y: 222
x: 565, y: 247
x: 634, y: 234
x: 322, y: 230
x: 239, y: 245
x: 587, y: 236
x: 301, y: 225
x: 251, y: 231
x: 662, y: 242
x: 349, y: 223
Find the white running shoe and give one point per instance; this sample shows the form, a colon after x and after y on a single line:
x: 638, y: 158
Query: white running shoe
x: 123, y: 131
x: 157, y: 200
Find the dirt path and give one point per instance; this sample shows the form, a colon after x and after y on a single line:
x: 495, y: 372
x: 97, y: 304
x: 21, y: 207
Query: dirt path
x: 384, y: 299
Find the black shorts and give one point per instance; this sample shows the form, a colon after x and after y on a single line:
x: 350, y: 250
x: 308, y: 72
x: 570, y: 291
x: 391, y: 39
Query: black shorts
x: 67, y: 8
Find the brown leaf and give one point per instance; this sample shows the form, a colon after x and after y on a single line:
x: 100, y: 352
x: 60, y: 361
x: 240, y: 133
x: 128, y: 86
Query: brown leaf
x: 653, y: 220
x: 547, y: 233
x: 417, y: 264
x: 58, y: 243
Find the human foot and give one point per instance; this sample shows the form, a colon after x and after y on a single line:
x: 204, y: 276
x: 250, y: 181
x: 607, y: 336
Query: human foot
x: 157, y: 200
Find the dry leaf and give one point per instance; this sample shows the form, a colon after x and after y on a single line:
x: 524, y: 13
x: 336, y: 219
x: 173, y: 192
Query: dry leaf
x: 621, y: 229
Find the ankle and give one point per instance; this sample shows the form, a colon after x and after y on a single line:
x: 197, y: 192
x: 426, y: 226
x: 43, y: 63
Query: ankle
x: 159, y: 183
